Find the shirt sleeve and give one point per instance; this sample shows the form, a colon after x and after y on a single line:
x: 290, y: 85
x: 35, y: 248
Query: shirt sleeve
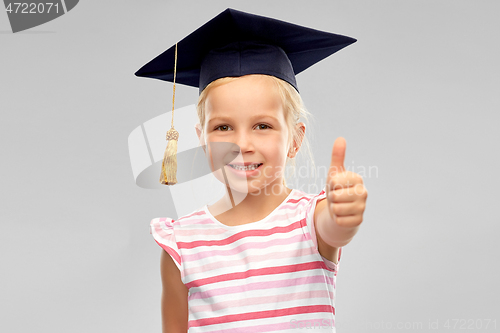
x: 162, y: 229
x: 310, y: 209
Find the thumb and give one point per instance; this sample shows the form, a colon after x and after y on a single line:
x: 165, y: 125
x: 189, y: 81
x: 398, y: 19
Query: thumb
x: 338, y: 156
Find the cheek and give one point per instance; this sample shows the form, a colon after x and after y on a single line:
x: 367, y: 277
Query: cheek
x: 276, y: 151
x: 213, y: 137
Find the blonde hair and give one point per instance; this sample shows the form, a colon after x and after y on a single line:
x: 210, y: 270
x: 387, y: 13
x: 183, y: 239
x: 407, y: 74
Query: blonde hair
x: 293, y: 107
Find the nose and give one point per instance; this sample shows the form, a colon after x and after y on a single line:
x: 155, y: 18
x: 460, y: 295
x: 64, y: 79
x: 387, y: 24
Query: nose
x: 244, y: 141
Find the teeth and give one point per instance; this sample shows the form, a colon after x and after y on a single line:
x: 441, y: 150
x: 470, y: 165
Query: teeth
x: 249, y: 167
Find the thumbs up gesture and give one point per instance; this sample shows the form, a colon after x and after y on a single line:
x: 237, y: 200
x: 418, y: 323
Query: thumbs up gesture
x: 345, y: 193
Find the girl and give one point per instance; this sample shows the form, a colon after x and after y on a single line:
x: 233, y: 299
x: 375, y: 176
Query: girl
x: 264, y: 257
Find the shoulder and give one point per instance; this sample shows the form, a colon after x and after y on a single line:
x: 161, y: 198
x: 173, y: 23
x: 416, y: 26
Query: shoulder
x: 169, y: 223
x: 308, y: 201
x: 304, y: 205
x: 301, y: 197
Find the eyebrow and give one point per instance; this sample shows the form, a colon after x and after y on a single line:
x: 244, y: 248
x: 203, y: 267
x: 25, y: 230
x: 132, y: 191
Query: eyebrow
x: 253, y: 117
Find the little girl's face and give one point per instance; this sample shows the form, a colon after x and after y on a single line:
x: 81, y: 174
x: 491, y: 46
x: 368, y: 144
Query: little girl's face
x: 248, y: 112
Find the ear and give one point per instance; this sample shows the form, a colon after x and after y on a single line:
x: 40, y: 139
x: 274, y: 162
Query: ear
x: 296, y: 144
x: 199, y: 133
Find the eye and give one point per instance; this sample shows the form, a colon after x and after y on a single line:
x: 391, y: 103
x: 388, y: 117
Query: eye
x: 222, y: 128
x: 263, y: 126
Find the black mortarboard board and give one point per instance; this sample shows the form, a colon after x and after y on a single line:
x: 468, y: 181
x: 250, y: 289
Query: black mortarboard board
x: 235, y: 43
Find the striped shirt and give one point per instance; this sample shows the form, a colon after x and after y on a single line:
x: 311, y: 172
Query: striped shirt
x: 264, y: 276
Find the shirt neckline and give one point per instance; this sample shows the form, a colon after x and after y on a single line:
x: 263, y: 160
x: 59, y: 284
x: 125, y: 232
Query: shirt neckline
x: 205, y: 208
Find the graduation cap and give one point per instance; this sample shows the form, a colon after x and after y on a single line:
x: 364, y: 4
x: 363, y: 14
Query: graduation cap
x: 234, y: 44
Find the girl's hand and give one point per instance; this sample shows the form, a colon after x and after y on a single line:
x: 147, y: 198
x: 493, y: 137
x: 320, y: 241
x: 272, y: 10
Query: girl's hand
x: 345, y: 193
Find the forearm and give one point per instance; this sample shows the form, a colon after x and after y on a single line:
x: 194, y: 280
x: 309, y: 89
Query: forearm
x: 331, y: 232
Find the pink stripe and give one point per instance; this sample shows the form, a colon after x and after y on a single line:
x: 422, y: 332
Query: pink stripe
x: 250, y: 259
x: 293, y: 206
x: 263, y: 300
x: 199, y: 232
x: 257, y: 272
x: 239, y: 249
x: 261, y: 314
x: 259, y: 286
x: 171, y: 252
x: 297, y: 200
x: 206, y: 220
x: 240, y: 235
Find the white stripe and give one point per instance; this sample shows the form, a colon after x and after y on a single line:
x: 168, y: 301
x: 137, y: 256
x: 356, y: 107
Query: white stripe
x: 64, y: 6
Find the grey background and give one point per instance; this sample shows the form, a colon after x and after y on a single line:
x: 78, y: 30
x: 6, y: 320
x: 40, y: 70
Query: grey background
x: 416, y: 96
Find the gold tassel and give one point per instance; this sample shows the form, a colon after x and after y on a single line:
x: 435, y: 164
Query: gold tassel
x: 169, y: 165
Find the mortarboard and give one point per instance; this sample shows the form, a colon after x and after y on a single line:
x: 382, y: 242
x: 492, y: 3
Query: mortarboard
x: 234, y: 44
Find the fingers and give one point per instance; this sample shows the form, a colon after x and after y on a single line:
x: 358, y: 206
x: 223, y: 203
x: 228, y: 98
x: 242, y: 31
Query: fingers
x: 349, y: 221
x: 345, y: 191
x: 345, y: 209
x: 343, y: 180
x: 348, y: 194
x: 338, y: 156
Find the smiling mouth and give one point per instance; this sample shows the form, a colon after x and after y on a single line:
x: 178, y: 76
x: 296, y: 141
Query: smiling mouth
x: 245, y: 168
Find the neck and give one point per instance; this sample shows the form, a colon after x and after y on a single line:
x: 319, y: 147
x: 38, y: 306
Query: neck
x: 251, y: 204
